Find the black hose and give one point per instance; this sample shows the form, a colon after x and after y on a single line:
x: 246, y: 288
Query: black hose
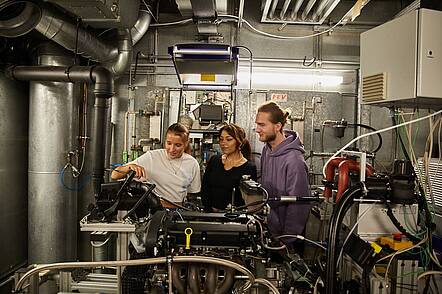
x: 111, y: 210
x: 371, y: 129
x: 421, y: 201
x: 336, y: 219
x: 136, y: 68
x: 259, y: 202
x: 365, y: 287
x: 147, y: 193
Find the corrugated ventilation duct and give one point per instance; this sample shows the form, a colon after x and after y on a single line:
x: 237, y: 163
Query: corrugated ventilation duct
x: 20, y: 17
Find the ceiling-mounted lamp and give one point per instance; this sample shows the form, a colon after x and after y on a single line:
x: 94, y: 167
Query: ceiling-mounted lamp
x: 289, y: 78
x: 205, y: 65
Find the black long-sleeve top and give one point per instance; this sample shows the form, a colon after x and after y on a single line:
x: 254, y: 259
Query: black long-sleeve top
x: 218, y: 183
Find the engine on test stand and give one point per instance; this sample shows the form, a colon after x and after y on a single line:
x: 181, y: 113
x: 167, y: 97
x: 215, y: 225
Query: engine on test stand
x: 236, y: 236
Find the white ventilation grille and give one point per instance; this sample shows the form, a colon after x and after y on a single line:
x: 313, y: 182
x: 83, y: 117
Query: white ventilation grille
x: 374, y: 87
x: 434, y: 183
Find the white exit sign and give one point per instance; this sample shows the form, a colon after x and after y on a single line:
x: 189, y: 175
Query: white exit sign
x: 281, y: 97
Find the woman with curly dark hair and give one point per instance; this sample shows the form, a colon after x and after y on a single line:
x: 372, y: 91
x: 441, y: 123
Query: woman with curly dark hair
x: 223, y: 173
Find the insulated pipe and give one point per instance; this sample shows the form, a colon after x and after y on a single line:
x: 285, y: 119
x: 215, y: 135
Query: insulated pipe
x: 51, y: 190
x: 124, y: 55
x: 54, y: 25
x: 145, y: 261
x: 141, y: 26
x: 330, y: 175
x: 344, y: 174
x: 103, y: 90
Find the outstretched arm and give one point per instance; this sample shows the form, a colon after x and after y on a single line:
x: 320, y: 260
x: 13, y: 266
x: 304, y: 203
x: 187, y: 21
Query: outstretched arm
x: 121, y: 171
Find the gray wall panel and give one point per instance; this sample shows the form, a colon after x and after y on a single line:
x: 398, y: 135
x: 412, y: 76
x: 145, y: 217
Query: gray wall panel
x: 13, y: 174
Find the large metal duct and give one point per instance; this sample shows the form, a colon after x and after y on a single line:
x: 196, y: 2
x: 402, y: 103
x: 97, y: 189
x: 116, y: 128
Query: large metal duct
x: 125, y: 53
x: 141, y: 26
x: 56, y: 26
x: 103, y: 82
x: 52, y: 214
x: 53, y: 127
x: 13, y: 174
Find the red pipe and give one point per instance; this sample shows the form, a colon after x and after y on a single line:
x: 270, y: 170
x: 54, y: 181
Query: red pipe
x: 330, y: 174
x: 344, y: 174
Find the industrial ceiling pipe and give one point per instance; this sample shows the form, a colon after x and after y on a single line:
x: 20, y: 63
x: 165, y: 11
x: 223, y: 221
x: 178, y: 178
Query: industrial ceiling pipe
x: 125, y: 53
x: 103, y: 82
x: 20, y: 17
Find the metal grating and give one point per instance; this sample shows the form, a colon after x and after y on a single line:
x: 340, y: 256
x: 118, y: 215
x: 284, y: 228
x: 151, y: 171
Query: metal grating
x: 433, y: 183
x: 374, y: 87
x: 312, y: 12
x: 297, y: 11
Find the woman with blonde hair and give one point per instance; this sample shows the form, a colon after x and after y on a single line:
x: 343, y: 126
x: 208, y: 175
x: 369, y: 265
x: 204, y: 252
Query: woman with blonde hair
x: 174, y: 172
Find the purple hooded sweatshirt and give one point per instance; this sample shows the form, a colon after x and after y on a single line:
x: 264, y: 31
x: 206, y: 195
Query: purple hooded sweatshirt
x: 285, y: 173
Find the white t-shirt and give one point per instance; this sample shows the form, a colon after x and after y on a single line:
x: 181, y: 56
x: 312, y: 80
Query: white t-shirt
x: 174, y: 178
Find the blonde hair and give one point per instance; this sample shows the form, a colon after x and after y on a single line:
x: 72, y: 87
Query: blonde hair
x: 180, y: 130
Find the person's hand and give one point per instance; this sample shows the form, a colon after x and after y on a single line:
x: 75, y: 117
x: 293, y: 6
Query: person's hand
x: 139, y: 170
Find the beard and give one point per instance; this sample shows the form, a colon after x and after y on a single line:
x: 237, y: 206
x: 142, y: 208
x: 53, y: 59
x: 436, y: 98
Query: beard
x: 268, y: 137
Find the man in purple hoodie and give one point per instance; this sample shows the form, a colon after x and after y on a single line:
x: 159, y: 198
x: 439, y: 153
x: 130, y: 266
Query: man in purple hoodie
x: 283, y: 171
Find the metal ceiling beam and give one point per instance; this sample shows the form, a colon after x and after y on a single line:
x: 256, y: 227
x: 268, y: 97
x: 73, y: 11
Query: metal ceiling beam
x: 307, y: 9
x: 321, y: 6
x: 295, y: 10
x: 266, y: 10
x: 284, y: 9
x: 272, y: 10
x: 328, y: 10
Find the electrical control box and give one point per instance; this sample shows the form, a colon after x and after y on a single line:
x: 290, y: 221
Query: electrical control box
x: 401, y: 61
x: 377, y: 223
